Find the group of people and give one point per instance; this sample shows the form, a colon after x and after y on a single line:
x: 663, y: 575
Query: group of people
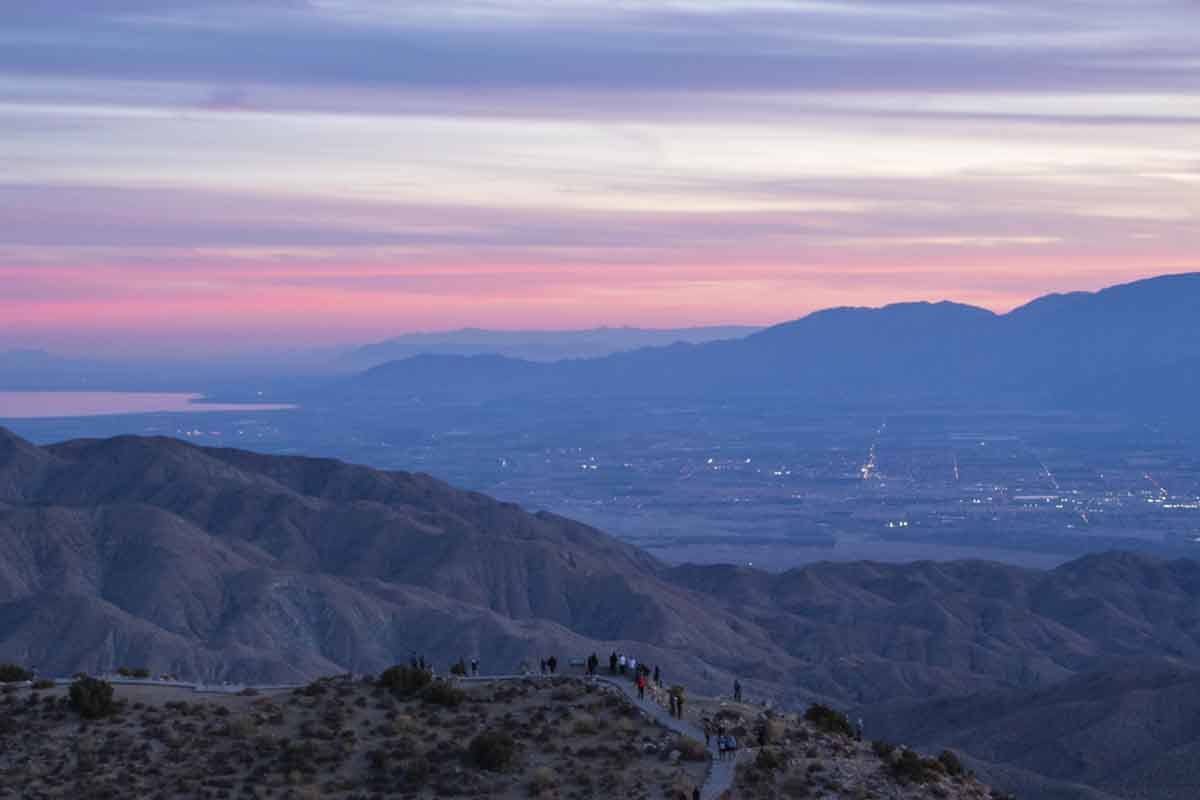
x: 550, y: 665
x: 727, y: 743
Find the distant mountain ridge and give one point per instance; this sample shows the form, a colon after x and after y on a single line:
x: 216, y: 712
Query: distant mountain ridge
x: 536, y: 345
x: 1053, y: 352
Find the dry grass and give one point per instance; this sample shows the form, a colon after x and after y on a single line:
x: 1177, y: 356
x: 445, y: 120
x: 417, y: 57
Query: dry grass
x: 338, y: 740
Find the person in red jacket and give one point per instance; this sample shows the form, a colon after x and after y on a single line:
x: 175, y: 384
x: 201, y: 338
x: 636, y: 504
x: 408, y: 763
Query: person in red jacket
x: 641, y: 684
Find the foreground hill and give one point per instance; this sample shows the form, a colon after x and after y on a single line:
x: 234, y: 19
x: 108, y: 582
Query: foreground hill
x: 343, y: 738
x: 1082, y: 350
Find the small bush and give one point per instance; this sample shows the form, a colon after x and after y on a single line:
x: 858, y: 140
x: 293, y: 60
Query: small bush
x: 770, y: 760
x: 951, y: 763
x: 417, y: 771
x: 43, y: 684
x: 883, y: 749
x: 459, y: 668
x: 133, y: 672
x: 690, y: 749
x: 92, y: 698
x: 492, y: 750
x: 11, y: 673
x: 404, y: 681
x: 442, y: 693
x: 828, y: 720
x: 542, y: 779
x: 911, y: 768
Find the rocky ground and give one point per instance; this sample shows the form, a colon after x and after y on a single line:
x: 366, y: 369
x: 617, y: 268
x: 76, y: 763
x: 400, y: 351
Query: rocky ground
x: 363, y: 739
x: 819, y: 755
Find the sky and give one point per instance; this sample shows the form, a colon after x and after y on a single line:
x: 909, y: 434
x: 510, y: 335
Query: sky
x: 210, y: 176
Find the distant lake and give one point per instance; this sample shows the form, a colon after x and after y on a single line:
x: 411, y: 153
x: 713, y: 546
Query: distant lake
x: 46, y: 405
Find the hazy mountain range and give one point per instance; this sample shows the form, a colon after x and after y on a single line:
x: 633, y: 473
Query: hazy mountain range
x: 229, y: 564
x: 536, y: 345
x: 1131, y: 347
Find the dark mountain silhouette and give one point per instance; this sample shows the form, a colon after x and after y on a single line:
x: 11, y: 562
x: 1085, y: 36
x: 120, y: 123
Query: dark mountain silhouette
x: 1060, y: 350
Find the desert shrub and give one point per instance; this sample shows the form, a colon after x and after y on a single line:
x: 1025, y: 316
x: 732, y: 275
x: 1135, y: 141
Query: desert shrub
x: 92, y: 698
x: 133, y: 672
x: 459, y: 668
x: 951, y: 763
x: 911, y: 768
x: 43, y: 684
x: 542, y: 779
x: 770, y: 760
x: 795, y: 785
x: 418, y: 771
x: 774, y: 731
x: 690, y: 749
x: 442, y: 693
x: 492, y: 750
x: 404, y: 681
x: 11, y: 673
x: 585, y: 725
x: 828, y: 720
x: 883, y: 749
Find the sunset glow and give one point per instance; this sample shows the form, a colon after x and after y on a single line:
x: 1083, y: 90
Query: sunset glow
x: 326, y: 172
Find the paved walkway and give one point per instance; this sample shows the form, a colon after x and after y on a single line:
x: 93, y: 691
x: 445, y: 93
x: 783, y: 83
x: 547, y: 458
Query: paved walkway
x: 720, y: 773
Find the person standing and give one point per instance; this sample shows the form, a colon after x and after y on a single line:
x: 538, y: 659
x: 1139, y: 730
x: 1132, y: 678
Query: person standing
x: 612, y: 663
x: 474, y: 667
x: 543, y: 666
x: 657, y: 676
x: 641, y: 686
x: 737, y: 691
x: 622, y: 662
x: 552, y: 662
x: 633, y: 665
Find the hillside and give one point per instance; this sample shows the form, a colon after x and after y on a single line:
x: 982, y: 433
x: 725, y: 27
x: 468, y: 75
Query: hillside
x: 345, y: 738
x: 1132, y: 731
x: 220, y: 564
x: 227, y: 564
x: 1082, y: 350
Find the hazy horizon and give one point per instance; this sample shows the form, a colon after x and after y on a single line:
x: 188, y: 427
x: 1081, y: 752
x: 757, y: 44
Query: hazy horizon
x: 340, y: 342
x: 206, y: 174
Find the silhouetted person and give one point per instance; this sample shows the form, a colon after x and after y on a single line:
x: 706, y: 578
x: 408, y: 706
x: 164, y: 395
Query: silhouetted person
x: 552, y: 663
x: 474, y: 667
x: 737, y: 691
x: 543, y: 666
x: 612, y: 663
x: 641, y: 684
x: 671, y: 703
x: 657, y: 676
x: 696, y: 793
